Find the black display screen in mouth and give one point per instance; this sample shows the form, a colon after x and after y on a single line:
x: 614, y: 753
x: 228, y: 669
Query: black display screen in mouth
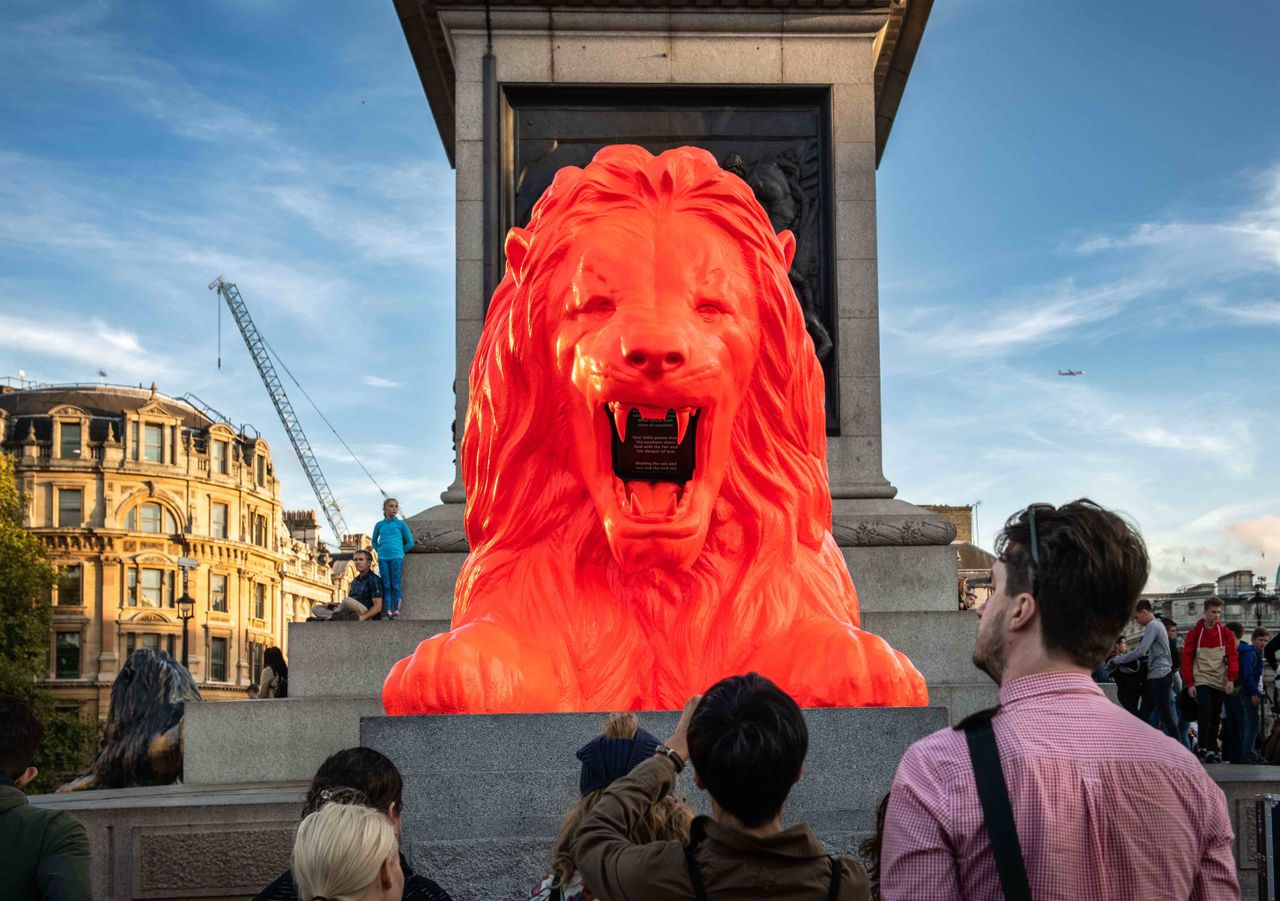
x: 651, y: 450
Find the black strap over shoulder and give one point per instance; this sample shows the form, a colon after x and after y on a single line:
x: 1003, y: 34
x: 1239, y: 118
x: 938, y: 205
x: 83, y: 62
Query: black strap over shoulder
x: 697, y: 834
x: 837, y: 870
x: 997, y: 811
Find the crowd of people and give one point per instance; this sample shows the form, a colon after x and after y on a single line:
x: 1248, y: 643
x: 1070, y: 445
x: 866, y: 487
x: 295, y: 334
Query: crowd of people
x: 1208, y: 692
x: 1051, y: 794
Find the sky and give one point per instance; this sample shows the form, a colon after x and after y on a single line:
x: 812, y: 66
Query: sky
x: 1066, y: 186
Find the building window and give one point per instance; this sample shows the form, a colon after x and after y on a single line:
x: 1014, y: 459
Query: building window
x: 153, y: 443
x: 70, y: 508
x: 259, y: 601
x: 152, y: 518
x: 260, y: 470
x: 217, y: 520
x: 256, y: 650
x: 259, y: 530
x: 218, y: 592
x: 220, y: 457
x: 218, y: 659
x: 70, y: 586
x: 67, y: 656
x: 69, y: 441
x: 134, y: 641
x: 156, y: 589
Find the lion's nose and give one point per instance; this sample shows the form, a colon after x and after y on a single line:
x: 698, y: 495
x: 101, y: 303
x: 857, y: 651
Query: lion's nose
x: 655, y: 353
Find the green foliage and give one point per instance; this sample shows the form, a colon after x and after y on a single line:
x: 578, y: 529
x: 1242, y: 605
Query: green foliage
x: 26, y: 575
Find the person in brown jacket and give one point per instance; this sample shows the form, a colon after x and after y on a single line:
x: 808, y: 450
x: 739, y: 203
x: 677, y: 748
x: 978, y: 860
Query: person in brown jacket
x: 747, y: 741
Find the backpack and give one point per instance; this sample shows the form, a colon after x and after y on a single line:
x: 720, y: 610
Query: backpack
x: 282, y: 687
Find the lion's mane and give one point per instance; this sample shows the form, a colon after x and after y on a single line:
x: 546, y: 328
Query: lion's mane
x: 544, y: 617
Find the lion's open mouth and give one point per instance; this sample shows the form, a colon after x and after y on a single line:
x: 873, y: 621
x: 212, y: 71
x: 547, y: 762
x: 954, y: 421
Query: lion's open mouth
x: 654, y: 457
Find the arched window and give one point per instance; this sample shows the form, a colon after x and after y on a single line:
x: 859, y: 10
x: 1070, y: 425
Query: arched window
x: 153, y: 518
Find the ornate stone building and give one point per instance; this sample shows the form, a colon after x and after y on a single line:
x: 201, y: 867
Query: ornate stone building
x: 120, y: 484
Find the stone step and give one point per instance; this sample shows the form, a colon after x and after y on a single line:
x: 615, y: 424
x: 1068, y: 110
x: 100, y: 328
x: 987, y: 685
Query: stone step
x: 487, y: 776
x: 351, y: 659
x: 265, y: 741
x: 903, y: 578
x: 940, y: 644
x: 179, y: 842
x: 428, y: 582
x: 888, y: 579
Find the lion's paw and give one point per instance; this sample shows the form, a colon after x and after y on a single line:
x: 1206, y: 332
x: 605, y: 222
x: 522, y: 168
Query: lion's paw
x: 476, y: 668
x: 830, y: 664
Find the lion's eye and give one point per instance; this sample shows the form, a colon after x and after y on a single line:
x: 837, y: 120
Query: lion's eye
x: 597, y: 308
x: 708, y: 310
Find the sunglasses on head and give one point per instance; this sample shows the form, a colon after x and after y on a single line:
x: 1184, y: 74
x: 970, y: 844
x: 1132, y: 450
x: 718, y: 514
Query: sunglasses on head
x: 1035, y: 540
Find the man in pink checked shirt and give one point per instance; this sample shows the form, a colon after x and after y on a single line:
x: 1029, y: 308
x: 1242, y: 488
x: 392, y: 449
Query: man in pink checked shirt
x: 1099, y: 805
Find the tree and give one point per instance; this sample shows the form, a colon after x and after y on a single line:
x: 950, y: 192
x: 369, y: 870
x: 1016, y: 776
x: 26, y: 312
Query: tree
x: 26, y: 620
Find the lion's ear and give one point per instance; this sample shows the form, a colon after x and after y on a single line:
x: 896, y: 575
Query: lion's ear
x: 788, y: 241
x: 518, y: 241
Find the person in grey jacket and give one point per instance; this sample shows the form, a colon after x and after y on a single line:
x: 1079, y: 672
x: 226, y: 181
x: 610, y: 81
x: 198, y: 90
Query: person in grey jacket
x: 1156, y: 694
x: 46, y: 852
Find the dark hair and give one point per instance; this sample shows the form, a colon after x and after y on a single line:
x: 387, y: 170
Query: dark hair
x: 274, y: 658
x: 748, y: 740
x: 871, y: 847
x: 1143, y: 604
x: 1092, y: 565
x: 1238, y: 628
x: 1261, y: 632
x: 1169, y: 624
x: 20, y: 734
x: 1212, y: 602
x: 368, y: 554
x: 363, y: 769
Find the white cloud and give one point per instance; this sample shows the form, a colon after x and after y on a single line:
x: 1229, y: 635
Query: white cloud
x: 92, y: 343
x: 375, y: 381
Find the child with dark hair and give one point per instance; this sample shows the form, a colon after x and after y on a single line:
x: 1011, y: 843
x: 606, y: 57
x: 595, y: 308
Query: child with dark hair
x: 615, y: 752
x: 361, y: 776
x: 46, y: 852
x: 747, y: 742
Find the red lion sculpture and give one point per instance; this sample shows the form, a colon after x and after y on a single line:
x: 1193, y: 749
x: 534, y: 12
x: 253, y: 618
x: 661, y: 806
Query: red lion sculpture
x: 645, y: 462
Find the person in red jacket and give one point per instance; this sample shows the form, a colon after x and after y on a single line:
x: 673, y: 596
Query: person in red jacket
x: 1210, y: 664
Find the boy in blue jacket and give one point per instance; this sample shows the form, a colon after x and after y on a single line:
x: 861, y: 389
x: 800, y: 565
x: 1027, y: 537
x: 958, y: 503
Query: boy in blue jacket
x: 391, y: 539
x: 1251, y: 691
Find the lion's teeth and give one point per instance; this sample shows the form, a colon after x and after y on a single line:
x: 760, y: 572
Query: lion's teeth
x: 620, y: 414
x: 682, y: 425
x: 637, y: 508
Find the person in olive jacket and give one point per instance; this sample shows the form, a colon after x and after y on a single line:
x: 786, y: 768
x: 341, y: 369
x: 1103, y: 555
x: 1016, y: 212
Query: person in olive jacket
x: 46, y: 852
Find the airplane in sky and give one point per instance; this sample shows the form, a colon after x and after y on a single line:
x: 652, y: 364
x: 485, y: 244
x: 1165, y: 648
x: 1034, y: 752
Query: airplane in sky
x: 1070, y: 372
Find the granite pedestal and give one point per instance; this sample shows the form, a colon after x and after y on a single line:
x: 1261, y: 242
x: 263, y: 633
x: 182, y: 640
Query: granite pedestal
x: 484, y: 794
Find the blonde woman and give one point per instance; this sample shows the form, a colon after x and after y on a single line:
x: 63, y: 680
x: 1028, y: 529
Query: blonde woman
x: 347, y: 852
x: 613, y: 754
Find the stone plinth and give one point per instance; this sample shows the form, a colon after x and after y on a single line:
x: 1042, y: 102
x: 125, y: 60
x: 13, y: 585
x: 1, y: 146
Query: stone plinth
x: 484, y: 794
x: 181, y: 842
x: 351, y: 659
x: 263, y: 741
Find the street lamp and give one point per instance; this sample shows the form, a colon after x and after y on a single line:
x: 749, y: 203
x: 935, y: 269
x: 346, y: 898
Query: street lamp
x: 1259, y: 603
x: 186, y: 603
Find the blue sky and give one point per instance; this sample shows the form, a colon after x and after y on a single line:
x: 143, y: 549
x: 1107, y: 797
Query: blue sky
x: 1065, y: 187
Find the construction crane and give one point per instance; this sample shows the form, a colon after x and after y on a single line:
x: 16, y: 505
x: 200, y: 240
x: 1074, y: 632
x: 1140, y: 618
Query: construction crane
x: 259, y: 350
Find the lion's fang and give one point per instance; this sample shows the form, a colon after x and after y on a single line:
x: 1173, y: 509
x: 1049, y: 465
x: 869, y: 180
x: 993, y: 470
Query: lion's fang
x: 682, y: 425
